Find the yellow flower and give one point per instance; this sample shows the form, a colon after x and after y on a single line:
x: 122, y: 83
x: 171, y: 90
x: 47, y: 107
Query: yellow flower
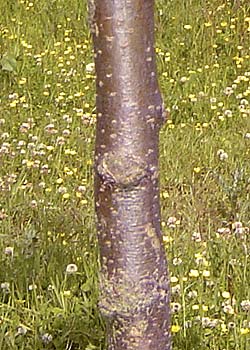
x: 221, y: 118
x: 13, y: 103
x: 167, y: 239
x: 191, y: 96
x: 173, y: 279
x: 22, y: 99
x: 193, y: 273
x: 67, y: 293
x: 70, y: 152
x: 206, y: 273
x: 225, y: 294
x: 195, y: 307
x: 223, y: 24
x: 197, y: 170
x: 29, y: 163
x: 244, y: 331
x: 165, y: 195
x: 204, y: 307
x: 223, y: 327
x: 66, y: 196
x: 175, y: 328
x: 187, y: 26
x: 22, y: 81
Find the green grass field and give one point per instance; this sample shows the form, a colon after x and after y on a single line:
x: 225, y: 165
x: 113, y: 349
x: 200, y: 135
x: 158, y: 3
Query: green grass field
x: 48, y: 249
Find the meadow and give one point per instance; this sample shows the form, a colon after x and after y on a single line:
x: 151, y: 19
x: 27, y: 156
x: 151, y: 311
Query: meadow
x: 48, y: 247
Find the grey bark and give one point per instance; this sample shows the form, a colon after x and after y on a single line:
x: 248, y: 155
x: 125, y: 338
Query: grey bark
x: 134, y: 284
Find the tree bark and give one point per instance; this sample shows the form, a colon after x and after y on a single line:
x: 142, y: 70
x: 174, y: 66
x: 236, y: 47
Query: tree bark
x: 134, y: 285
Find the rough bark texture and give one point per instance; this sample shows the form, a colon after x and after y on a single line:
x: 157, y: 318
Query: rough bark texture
x: 134, y: 283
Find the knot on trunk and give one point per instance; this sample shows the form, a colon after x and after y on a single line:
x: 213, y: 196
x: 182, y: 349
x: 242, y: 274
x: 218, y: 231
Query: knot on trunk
x: 122, y: 172
x: 125, y: 300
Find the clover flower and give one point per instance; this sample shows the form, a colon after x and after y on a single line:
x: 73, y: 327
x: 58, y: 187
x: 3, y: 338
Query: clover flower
x: 245, y: 305
x: 46, y: 338
x: 9, y: 251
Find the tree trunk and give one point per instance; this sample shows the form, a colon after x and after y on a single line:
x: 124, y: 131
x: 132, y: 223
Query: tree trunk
x: 134, y: 293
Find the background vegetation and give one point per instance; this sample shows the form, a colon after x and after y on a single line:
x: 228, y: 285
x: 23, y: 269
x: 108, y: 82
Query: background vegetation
x: 48, y: 250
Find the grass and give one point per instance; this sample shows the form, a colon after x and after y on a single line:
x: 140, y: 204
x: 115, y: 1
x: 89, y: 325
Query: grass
x: 48, y: 294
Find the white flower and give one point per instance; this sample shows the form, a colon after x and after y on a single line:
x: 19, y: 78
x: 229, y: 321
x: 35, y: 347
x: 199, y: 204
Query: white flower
x: 245, y: 305
x: 46, y: 338
x: 183, y: 79
x: 175, y: 307
x: 50, y: 287
x: 90, y: 67
x: 228, y: 91
x: 238, y: 228
x: 231, y: 325
x: 205, y: 321
x: 21, y: 330
x: 171, y: 222
x: 71, y: 269
x: 212, y: 323
x: 224, y: 231
x: 33, y: 204
x: 32, y: 287
x: 177, y: 261
x: 228, y: 113
x: 244, y: 102
x: 228, y: 309
x: 196, y: 236
x: 81, y: 188
x: 222, y: 155
x: 192, y: 294
x: 9, y: 251
x: 5, y: 286
x: 176, y: 289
